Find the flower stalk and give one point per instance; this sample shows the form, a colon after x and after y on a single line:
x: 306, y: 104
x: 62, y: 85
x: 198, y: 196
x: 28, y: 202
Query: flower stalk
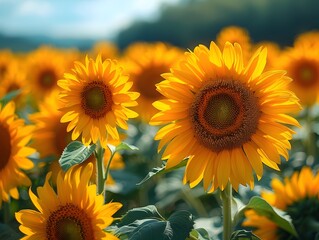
x: 226, y: 196
x: 99, y: 155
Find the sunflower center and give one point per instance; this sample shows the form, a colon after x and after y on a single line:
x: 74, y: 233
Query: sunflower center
x: 147, y: 79
x: 69, y: 222
x: 48, y: 79
x: 306, y: 74
x: 5, y: 146
x: 224, y: 114
x: 96, y: 100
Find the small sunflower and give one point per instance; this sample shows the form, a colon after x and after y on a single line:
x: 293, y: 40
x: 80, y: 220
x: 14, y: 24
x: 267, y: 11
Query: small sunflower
x: 302, y: 65
x: 107, y: 50
x: 235, y: 34
x: 94, y: 100
x: 307, y: 39
x: 298, y: 196
x: 73, y: 212
x: 15, y: 79
x: 14, y: 136
x: 6, y: 58
x: 145, y: 62
x: 227, y: 118
x: 51, y: 137
x: 45, y: 66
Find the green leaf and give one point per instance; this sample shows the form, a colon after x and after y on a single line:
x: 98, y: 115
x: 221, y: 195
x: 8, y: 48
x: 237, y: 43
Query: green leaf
x: 8, y: 233
x: 263, y: 208
x: 126, y: 146
x: 182, y: 224
x: 10, y: 96
x: 199, y: 234
x: 153, y: 230
x: 75, y: 153
x: 243, y: 235
x: 134, y: 214
x: 161, y: 170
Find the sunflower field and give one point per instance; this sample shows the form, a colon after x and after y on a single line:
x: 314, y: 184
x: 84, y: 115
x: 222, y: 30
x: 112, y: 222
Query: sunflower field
x: 158, y: 142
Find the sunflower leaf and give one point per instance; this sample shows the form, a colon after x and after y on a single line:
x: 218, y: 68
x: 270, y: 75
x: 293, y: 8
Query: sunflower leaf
x: 161, y: 170
x: 75, y: 153
x: 10, y: 96
x: 178, y: 226
x: 199, y: 234
x: 6, y: 232
x: 134, y: 214
x: 263, y: 208
x: 126, y: 146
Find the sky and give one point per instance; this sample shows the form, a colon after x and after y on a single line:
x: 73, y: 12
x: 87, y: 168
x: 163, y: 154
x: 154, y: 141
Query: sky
x: 95, y: 19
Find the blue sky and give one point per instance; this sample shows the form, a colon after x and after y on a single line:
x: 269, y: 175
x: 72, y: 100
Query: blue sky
x: 74, y: 18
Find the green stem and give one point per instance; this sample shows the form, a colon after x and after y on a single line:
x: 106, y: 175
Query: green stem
x: 194, y: 202
x: 99, y: 154
x: 226, y: 196
x: 108, y: 167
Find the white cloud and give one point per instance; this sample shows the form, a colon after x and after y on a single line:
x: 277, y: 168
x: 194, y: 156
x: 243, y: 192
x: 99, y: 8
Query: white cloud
x: 34, y: 8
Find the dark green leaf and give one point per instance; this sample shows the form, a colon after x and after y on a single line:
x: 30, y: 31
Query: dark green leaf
x: 182, y: 224
x: 8, y: 233
x: 149, y: 211
x: 153, y: 230
x: 265, y: 209
x: 75, y: 153
x: 161, y: 170
x: 243, y: 235
x: 10, y: 96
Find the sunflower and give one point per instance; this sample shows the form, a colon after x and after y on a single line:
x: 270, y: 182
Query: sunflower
x: 73, y: 212
x: 6, y: 58
x: 307, y: 39
x: 227, y: 118
x: 302, y: 65
x: 51, y: 137
x: 14, y: 136
x: 145, y: 62
x: 235, y: 34
x: 107, y: 50
x: 94, y: 100
x: 45, y: 66
x: 15, y: 79
x: 298, y: 196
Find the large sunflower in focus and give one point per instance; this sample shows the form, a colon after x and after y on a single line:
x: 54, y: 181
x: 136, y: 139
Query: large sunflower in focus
x: 95, y: 100
x: 302, y: 65
x: 73, y: 212
x: 14, y: 136
x: 145, y: 62
x: 298, y: 196
x: 46, y: 66
x: 227, y: 118
x: 51, y: 137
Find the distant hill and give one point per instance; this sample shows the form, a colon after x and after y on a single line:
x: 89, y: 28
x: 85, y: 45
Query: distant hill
x: 25, y: 44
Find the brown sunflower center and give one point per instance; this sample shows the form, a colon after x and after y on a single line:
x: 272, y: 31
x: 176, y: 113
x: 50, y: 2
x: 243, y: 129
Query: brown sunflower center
x: 224, y: 115
x: 147, y: 79
x: 47, y: 79
x: 306, y: 74
x: 3, y: 70
x: 69, y: 222
x: 5, y: 146
x: 96, y: 99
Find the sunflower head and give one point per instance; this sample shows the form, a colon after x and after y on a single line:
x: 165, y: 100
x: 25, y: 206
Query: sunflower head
x: 14, y: 137
x: 107, y: 50
x: 95, y: 98
x: 145, y: 62
x: 302, y: 65
x: 74, y: 211
x: 307, y: 39
x: 298, y: 196
x: 227, y: 118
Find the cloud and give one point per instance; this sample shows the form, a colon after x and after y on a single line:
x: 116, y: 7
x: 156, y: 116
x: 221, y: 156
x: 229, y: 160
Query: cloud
x: 35, y: 8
